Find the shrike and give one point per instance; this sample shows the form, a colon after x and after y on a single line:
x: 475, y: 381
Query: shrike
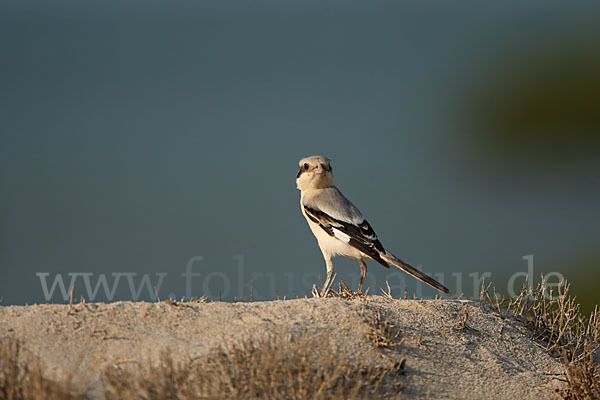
x: 339, y: 227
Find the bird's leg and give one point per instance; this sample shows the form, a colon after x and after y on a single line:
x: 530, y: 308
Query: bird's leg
x: 328, y: 280
x: 363, y: 273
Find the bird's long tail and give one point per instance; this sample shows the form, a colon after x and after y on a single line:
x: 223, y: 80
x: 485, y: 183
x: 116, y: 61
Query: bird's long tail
x: 396, y: 262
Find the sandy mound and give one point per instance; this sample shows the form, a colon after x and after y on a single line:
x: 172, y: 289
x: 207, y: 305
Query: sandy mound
x: 448, y: 355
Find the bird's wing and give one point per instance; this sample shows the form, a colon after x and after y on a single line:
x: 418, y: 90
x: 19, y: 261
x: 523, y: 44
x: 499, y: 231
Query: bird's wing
x: 363, y: 238
x: 337, y: 216
x: 360, y: 236
x: 333, y: 203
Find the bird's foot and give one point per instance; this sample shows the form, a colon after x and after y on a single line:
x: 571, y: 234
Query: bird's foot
x: 324, y: 292
x: 315, y: 291
x: 344, y: 292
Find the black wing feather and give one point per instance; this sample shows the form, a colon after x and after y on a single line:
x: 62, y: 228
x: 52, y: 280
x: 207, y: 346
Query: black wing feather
x: 362, y: 237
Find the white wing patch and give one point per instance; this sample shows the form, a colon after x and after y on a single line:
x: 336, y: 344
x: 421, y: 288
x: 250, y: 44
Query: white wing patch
x: 360, y: 237
x: 340, y: 235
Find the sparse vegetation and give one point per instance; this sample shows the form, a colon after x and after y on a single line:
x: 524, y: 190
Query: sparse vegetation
x: 553, y: 319
x: 344, y: 292
x: 463, y: 323
x: 24, y: 379
x: 387, y: 293
x: 306, y: 365
x: 381, y: 330
x: 280, y: 367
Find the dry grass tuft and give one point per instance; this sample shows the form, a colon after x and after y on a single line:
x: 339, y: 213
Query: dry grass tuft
x: 463, y: 323
x: 554, y: 321
x: 344, y: 292
x: 387, y: 293
x: 584, y: 379
x: 22, y: 379
x: 175, y: 303
x: 381, y: 330
x: 279, y: 367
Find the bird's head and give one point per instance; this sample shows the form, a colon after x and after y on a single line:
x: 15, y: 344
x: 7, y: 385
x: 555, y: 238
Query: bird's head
x: 315, y: 172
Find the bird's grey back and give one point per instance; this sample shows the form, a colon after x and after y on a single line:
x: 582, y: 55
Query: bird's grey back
x: 332, y: 202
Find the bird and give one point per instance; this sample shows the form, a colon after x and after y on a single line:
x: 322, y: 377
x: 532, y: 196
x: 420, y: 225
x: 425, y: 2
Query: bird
x: 340, y: 228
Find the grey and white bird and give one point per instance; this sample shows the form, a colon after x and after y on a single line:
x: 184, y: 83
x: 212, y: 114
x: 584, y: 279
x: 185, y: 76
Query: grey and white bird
x: 339, y: 227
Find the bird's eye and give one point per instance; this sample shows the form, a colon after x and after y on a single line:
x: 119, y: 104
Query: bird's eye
x: 305, y: 166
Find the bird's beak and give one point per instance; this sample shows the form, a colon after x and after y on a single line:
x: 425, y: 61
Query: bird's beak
x: 319, y: 169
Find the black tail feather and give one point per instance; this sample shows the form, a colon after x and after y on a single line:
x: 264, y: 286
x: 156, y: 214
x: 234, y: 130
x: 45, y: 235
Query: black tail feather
x: 409, y: 269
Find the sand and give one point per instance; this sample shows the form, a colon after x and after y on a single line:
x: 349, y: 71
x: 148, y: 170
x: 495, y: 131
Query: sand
x: 489, y: 358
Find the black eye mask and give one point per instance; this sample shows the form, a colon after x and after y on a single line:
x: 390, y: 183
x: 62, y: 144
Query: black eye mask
x: 303, y: 168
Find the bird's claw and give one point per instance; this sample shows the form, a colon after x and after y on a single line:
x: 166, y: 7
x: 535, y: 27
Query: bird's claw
x: 324, y: 292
